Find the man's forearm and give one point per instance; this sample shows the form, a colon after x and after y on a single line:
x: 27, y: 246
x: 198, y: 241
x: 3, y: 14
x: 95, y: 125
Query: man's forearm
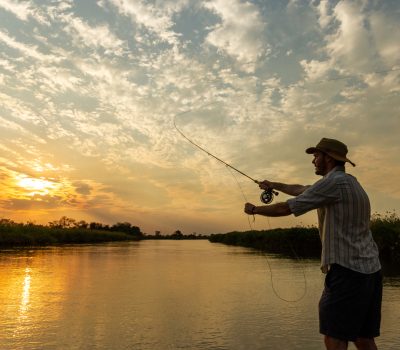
x: 292, y: 190
x: 277, y: 209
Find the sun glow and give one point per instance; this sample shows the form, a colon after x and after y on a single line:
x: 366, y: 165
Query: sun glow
x: 36, y: 185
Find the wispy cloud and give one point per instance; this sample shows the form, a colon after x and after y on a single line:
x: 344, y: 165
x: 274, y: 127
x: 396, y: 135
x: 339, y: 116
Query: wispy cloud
x: 96, y: 37
x: 22, y: 10
x: 239, y: 32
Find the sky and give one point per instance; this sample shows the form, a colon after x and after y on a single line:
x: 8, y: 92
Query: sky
x: 90, y: 91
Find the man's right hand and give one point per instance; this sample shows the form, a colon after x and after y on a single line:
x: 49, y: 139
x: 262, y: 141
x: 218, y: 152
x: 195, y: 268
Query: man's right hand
x: 265, y: 184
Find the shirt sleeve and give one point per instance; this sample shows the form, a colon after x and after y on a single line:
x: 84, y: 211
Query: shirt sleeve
x: 322, y: 193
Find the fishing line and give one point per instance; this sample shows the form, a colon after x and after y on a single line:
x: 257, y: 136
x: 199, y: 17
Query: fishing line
x: 266, y: 197
x: 252, y: 228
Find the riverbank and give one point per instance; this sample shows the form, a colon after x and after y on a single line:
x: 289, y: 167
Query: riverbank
x: 305, y: 242
x: 35, y: 235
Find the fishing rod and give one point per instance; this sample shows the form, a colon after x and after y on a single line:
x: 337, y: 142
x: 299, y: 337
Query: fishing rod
x: 266, y: 196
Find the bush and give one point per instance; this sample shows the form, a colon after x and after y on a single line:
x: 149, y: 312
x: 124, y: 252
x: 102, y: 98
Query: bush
x: 305, y: 241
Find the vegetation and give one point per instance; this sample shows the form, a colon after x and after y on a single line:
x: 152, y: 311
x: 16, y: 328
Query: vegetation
x: 386, y: 232
x: 70, y: 231
x: 64, y: 231
x: 296, y: 241
x: 177, y: 235
x: 305, y: 241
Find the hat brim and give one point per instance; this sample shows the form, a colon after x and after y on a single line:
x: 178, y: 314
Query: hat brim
x: 312, y: 150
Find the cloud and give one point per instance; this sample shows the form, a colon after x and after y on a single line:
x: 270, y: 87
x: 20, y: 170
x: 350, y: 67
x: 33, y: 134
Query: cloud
x: 316, y: 70
x: 358, y: 36
x: 94, y: 36
x: 82, y: 188
x: 325, y: 17
x: 22, y: 10
x: 240, y: 32
x: 26, y: 49
x: 157, y: 18
x: 382, y: 29
x: 350, y: 45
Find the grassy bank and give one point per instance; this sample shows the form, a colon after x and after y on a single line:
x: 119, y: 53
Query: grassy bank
x: 17, y: 235
x: 305, y: 241
x: 296, y: 241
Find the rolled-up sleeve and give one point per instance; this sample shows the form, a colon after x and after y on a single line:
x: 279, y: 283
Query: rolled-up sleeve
x: 323, y: 192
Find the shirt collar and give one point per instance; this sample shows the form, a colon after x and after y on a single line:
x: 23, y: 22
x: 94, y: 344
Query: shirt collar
x: 336, y: 168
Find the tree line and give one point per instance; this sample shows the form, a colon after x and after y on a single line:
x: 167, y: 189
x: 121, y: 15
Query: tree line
x: 64, y: 231
x: 66, y: 222
x: 305, y: 241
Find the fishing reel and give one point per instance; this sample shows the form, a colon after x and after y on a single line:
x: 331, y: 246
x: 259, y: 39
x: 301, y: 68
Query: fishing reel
x: 267, y: 196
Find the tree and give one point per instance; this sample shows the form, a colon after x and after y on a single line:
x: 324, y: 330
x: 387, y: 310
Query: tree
x: 126, y: 227
x: 81, y: 224
x: 96, y: 226
x: 177, y: 235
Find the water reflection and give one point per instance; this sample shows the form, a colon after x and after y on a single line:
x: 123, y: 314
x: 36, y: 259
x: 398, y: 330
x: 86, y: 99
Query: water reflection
x: 164, y: 295
x: 25, y: 293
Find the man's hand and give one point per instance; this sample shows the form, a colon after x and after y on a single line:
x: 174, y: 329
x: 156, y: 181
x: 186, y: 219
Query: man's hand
x: 249, y: 208
x: 265, y: 184
x: 292, y: 190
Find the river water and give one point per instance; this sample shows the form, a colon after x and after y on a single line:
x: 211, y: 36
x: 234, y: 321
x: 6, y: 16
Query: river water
x: 158, y: 295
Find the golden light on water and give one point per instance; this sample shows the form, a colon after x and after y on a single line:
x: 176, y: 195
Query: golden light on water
x: 25, y: 291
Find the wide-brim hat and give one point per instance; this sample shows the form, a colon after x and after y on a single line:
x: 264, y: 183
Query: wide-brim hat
x: 334, y: 148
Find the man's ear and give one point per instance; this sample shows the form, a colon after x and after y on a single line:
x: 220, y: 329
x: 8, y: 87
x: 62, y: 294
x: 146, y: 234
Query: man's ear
x: 329, y: 159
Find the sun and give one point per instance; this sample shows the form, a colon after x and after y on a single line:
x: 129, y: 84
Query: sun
x: 36, y: 185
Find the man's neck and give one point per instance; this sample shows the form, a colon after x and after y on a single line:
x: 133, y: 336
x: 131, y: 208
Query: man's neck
x: 334, y: 168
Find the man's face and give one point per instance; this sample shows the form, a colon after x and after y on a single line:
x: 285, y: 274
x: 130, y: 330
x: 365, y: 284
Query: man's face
x: 319, y: 162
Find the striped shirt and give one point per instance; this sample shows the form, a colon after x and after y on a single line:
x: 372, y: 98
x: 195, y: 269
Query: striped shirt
x: 343, y: 219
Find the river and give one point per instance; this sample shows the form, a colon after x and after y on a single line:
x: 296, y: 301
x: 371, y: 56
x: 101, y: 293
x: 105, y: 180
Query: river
x: 158, y: 295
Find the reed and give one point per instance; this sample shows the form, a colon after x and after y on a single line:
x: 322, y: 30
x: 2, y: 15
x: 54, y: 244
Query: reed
x: 305, y: 241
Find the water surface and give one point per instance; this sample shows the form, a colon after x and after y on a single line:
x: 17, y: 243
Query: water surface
x: 166, y: 295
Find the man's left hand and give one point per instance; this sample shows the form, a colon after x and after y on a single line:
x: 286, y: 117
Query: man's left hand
x: 249, y: 208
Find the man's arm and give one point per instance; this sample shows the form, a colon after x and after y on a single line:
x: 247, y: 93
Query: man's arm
x: 292, y: 190
x: 277, y: 209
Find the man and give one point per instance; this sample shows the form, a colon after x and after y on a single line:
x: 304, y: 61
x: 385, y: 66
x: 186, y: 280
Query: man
x: 350, y: 305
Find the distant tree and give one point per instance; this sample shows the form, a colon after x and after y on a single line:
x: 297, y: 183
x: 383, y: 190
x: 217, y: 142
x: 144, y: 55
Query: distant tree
x: 54, y: 224
x: 81, y: 224
x: 121, y: 227
x: 63, y: 222
x: 177, y: 235
x: 7, y: 222
x: 126, y: 227
x: 135, y: 230
x: 66, y: 222
x: 96, y: 226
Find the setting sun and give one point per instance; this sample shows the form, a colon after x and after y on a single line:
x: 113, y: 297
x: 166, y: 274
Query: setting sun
x: 36, y: 186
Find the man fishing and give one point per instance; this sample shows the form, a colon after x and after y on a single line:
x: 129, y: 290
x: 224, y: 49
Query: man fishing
x: 350, y: 305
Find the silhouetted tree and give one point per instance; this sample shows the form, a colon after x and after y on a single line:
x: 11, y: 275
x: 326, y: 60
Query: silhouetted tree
x: 177, y: 235
x: 7, y: 222
x: 81, y: 224
x: 96, y: 226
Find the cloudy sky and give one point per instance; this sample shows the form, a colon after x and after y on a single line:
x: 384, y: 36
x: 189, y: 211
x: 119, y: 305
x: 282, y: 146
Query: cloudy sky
x: 90, y: 90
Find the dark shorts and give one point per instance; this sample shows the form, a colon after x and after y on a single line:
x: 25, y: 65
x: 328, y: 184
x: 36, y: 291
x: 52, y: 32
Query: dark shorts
x: 350, y: 305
